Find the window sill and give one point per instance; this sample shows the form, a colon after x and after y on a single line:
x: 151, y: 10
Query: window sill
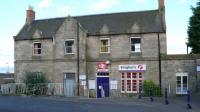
x: 105, y: 55
x: 69, y: 55
x: 36, y: 56
x: 104, y: 52
x: 135, y: 53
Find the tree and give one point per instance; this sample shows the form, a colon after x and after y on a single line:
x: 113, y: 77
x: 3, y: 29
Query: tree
x: 36, y: 83
x: 194, y: 29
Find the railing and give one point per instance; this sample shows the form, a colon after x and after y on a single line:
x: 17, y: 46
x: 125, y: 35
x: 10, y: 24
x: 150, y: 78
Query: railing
x: 36, y: 89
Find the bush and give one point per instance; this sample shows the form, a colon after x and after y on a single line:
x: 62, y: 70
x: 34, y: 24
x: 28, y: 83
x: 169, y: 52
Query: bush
x: 36, y: 83
x: 150, y: 85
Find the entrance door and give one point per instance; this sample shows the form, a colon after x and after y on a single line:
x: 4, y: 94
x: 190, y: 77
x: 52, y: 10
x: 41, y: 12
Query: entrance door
x: 181, y: 83
x: 69, y: 84
x: 102, y: 87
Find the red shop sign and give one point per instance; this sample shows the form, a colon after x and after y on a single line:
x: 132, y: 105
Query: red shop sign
x: 102, y: 66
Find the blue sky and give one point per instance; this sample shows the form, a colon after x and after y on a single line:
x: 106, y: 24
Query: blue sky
x: 13, y: 18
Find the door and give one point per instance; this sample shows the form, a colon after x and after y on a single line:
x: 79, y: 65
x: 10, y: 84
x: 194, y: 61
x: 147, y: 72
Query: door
x: 181, y: 83
x: 102, y: 87
x: 69, y: 84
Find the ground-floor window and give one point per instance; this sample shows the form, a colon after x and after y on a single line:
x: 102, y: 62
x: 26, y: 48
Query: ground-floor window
x: 181, y: 83
x: 131, y: 82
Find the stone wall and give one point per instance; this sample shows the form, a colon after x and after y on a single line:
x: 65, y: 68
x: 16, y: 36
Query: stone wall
x: 53, y: 60
x: 120, y: 46
x: 173, y: 64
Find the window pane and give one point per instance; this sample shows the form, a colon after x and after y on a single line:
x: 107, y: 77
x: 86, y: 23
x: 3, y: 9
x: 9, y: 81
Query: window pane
x: 135, y: 44
x: 69, y: 46
x: 36, y: 48
x: 184, y: 79
x: 104, y: 46
x: 132, y: 47
x: 135, y: 40
x: 69, y: 43
x: 39, y: 45
x: 178, y: 78
x: 39, y: 51
x: 68, y: 49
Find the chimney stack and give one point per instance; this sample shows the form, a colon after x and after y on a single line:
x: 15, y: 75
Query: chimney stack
x: 161, y: 5
x: 30, y: 15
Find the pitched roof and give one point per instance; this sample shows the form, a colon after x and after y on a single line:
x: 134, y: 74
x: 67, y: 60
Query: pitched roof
x: 118, y: 23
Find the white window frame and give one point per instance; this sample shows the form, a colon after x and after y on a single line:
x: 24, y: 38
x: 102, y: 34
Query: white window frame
x: 125, y: 82
x: 73, y: 46
x: 106, y: 46
x: 135, y: 44
x: 33, y: 49
x: 181, y: 75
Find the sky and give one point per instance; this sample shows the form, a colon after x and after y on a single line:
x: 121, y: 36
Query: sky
x: 13, y: 14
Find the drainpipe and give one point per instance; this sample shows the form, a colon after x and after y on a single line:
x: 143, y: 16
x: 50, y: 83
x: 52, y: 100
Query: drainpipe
x: 159, y: 63
x: 78, y: 64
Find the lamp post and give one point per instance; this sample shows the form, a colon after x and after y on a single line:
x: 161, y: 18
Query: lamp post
x: 7, y: 67
x: 187, y: 46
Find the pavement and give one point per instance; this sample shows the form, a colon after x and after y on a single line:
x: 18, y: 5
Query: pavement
x: 80, y: 104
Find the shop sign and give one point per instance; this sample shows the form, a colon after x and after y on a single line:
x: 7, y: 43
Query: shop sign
x: 198, y: 68
x: 102, y: 67
x: 135, y: 67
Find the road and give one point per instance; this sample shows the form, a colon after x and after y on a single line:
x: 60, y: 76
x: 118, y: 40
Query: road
x: 59, y: 104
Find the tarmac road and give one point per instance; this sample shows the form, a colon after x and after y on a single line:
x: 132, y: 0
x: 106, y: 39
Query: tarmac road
x: 60, y: 104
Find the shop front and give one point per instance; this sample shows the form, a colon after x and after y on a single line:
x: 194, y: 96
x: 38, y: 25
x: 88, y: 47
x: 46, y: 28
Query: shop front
x: 131, y: 77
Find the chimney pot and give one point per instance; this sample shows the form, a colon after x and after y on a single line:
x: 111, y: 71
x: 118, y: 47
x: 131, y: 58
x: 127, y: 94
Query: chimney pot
x: 30, y: 15
x: 161, y: 5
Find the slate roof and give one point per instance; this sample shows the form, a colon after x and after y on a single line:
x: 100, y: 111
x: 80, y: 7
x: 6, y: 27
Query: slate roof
x: 118, y: 23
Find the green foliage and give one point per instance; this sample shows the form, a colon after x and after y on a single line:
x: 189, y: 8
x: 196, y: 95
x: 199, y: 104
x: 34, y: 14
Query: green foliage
x: 36, y: 83
x: 194, y: 30
x: 150, y: 85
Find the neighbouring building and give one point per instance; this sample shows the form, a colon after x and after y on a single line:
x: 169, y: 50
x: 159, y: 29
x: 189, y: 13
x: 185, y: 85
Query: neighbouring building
x: 6, y: 78
x: 102, y: 50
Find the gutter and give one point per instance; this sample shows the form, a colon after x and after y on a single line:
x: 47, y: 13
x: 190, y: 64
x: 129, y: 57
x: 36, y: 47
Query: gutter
x: 159, y: 63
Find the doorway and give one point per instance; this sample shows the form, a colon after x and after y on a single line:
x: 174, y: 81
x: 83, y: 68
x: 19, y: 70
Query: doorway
x: 103, y: 85
x: 69, y: 84
x: 181, y: 83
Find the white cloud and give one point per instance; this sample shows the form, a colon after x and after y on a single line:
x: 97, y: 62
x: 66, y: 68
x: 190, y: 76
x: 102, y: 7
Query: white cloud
x: 183, y: 1
x: 176, y: 44
x: 103, y: 4
x: 65, y: 10
x: 141, y: 1
x: 7, y: 52
x: 44, y: 4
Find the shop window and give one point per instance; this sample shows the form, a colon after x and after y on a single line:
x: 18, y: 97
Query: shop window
x: 181, y: 83
x: 131, y: 82
x: 37, y: 48
x: 105, y: 45
x: 122, y: 75
x: 135, y: 44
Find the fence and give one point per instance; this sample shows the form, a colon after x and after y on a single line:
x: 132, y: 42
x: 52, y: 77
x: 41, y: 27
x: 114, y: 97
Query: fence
x: 51, y: 89
x: 38, y: 89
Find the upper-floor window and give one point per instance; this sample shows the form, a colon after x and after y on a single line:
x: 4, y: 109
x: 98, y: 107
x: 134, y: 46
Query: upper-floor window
x: 105, y: 45
x: 69, y: 46
x: 135, y: 44
x: 37, y: 48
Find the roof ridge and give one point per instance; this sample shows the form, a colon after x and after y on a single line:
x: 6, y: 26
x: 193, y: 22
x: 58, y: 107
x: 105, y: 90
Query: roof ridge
x: 117, y: 13
x: 97, y: 14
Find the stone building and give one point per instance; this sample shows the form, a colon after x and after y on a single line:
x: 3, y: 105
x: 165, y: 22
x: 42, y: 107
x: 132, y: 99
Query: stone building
x: 99, y: 51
